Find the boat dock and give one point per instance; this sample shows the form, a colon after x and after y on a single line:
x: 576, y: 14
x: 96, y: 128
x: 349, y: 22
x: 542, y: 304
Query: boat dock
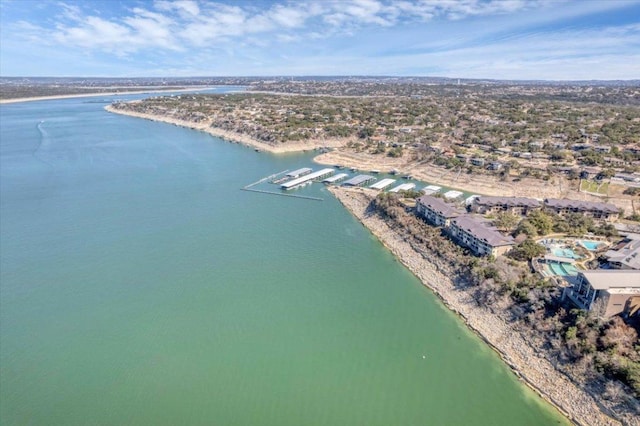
x: 359, y: 180
x: 431, y: 189
x: 403, y: 187
x: 382, y: 184
x: 298, y: 173
x: 452, y: 195
x: 271, y: 177
x: 336, y: 178
x: 306, y: 179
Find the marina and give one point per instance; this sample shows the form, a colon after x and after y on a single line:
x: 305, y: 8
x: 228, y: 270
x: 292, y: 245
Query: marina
x: 359, y: 180
x: 382, y: 184
x: 403, y: 187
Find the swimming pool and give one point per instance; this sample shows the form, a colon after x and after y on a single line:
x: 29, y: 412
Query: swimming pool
x: 562, y: 269
x: 591, y: 245
x: 565, y: 252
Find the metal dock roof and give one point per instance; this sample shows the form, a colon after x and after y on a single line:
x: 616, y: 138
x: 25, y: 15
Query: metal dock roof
x: 359, y: 180
x: 403, y: 187
x: 300, y: 172
x: 335, y: 178
x: 307, y: 178
x: 433, y: 188
x: 452, y: 194
x: 382, y: 184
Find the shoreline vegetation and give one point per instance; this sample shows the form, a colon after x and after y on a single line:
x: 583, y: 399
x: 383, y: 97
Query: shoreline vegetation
x: 527, y: 361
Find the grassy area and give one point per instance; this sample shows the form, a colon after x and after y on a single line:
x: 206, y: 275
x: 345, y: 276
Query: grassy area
x: 593, y: 186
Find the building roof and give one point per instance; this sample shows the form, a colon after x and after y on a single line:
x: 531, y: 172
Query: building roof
x: 605, y: 279
x: 482, y: 231
x: 299, y: 172
x: 628, y: 254
x: 439, y: 206
x: 508, y: 201
x: 580, y: 205
x: 358, y: 180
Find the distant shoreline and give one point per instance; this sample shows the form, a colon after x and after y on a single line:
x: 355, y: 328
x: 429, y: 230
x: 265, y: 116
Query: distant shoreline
x: 89, y: 95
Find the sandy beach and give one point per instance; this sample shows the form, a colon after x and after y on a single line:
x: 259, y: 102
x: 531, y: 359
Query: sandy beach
x: 527, y: 361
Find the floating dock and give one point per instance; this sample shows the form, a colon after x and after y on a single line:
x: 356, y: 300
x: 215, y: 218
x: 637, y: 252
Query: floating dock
x: 452, y: 195
x: 300, y: 172
x: 359, y: 180
x: 403, y: 187
x: 336, y: 178
x: 382, y: 184
x: 296, y: 183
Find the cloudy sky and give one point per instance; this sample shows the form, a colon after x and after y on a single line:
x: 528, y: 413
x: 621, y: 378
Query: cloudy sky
x: 501, y: 39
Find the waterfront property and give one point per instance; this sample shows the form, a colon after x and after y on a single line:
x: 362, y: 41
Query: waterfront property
x: 626, y: 255
x: 306, y: 179
x: 481, y: 238
x: 436, y: 211
x: 609, y: 292
x: 515, y: 205
x: 596, y: 210
x: 359, y: 180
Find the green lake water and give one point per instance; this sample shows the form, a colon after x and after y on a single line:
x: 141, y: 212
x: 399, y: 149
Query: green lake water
x: 140, y: 286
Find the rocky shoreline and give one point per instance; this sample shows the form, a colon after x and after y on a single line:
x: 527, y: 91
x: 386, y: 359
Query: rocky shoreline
x: 234, y: 137
x: 525, y: 360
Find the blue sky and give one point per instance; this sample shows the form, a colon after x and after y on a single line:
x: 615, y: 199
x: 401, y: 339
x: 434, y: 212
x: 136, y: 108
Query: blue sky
x: 501, y: 39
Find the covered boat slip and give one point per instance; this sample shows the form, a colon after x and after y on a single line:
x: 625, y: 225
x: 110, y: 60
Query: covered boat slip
x: 320, y: 174
x: 336, y: 178
x: 359, y: 180
x: 382, y: 184
x: 300, y: 172
x: 403, y: 187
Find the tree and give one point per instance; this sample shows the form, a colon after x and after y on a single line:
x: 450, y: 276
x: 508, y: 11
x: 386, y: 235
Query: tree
x: 527, y: 228
x: 526, y: 250
x: 542, y: 222
x: 505, y: 221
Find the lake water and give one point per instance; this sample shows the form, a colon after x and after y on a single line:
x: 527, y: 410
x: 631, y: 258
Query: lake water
x: 140, y: 286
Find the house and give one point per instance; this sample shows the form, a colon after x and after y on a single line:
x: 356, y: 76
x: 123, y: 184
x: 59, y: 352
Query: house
x: 596, y: 210
x: 609, y: 292
x: 481, y: 238
x: 514, y: 205
x: 494, y: 165
x: 625, y: 255
x: 436, y: 211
